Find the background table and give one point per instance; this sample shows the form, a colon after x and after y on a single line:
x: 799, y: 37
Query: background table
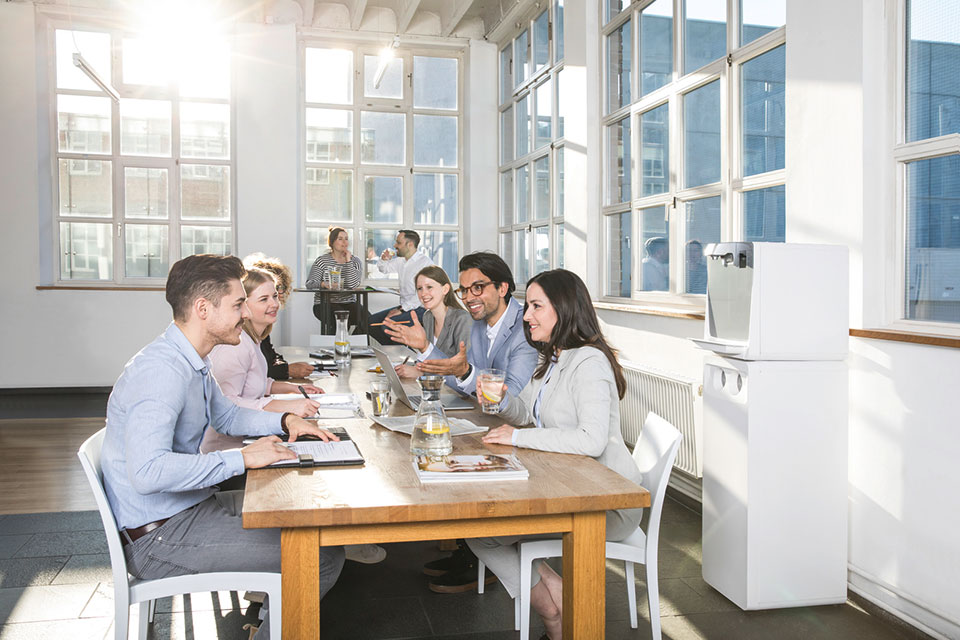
x: 328, y: 325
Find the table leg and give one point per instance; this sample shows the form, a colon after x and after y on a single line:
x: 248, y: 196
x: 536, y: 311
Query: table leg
x: 300, y: 573
x: 584, y: 581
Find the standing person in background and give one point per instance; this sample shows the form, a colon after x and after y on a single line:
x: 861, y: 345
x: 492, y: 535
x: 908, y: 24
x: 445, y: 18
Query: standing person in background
x: 351, y: 273
x: 656, y: 265
x: 277, y: 367
x: 406, y: 264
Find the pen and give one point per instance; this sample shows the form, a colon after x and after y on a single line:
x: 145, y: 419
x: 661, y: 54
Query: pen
x: 303, y: 391
x: 404, y: 361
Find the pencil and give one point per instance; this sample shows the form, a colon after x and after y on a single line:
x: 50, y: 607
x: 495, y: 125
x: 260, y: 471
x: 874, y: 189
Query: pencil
x: 380, y: 324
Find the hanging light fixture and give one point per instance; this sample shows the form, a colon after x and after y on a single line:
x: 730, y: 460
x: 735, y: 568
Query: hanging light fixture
x: 386, y: 57
x: 83, y: 65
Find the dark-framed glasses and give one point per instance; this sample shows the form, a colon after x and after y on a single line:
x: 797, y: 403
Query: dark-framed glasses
x: 476, y: 289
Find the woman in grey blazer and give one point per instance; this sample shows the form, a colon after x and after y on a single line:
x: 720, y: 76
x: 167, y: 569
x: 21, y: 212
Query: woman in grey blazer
x: 572, y: 405
x: 445, y: 324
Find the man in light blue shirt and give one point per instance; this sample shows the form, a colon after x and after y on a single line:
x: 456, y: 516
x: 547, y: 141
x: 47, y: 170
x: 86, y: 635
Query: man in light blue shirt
x: 172, y: 518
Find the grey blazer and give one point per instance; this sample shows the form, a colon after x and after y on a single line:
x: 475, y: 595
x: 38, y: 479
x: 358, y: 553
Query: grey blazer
x: 456, y: 329
x: 580, y: 414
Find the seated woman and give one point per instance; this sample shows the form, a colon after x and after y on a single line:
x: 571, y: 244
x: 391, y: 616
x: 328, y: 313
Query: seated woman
x: 351, y: 273
x: 573, y: 403
x: 445, y: 324
x: 241, y: 370
x: 277, y: 367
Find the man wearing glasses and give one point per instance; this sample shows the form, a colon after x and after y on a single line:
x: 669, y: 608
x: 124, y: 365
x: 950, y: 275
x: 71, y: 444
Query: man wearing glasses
x: 496, y: 338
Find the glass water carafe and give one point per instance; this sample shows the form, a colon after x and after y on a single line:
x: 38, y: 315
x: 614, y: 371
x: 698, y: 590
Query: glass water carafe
x: 431, y: 431
x: 341, y: 341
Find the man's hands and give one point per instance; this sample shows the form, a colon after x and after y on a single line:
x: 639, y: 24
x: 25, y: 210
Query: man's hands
x: 406, y: 371
x: 501, y: 435
x: 265, y: 451
x: 299, y: 369
x: 455, y: 366
x: 413, y: 336
x: 298, y: 427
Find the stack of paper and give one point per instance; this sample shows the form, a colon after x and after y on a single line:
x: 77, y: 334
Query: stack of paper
x: 404, y: 424
x: 332, y: 405
x: 463, y: 468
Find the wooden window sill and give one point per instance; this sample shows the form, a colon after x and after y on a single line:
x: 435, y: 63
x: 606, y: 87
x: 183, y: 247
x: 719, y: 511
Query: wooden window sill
x: 907, y: 336
x: 667, y: 312
x: 95, y: 287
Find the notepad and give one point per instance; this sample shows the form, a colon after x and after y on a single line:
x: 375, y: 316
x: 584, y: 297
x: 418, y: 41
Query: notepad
x: 318, y: 454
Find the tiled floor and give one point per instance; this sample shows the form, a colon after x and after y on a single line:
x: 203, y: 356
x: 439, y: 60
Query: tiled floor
x: 55, y: 582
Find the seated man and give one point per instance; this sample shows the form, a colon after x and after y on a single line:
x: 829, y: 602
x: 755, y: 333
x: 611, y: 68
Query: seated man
x: 406, y: 264
x: 172, y: 519
x: 497, y: 341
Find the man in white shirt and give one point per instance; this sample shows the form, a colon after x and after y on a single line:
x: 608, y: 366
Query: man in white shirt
x: 656, y: 266
x: 406, y: 264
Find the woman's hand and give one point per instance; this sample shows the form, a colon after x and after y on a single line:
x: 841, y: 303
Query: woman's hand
x: 500, y: 435
x: 407, y: 371
x: 303, y: 408
x: 299, y: 369
x: 482, y: 393
x: 413, y: 336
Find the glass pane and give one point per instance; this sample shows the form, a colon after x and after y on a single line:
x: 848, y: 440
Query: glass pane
x: 523, y: 126
x: 86, y: 188
x: 435, y: 198
x: 933, y: 69
x: 561, y: 98
x: 86, y: 251
x: 541, y: 197
x: 329, y: 76
x: 655, y: 236
x: 382, y: 138
x: 434, y: 83
x: 764, y: 214
x: 375, y: 241
x: 558, y: 31
x: 521, y: 253
x: 145, y: 192
x: 147, y: 255
x: 329, y: 195
x: 932, y: 252
x: 701, y: 226
x: 619, y: 260
x: 763, y: 112
x: 204, y: 191
x: 329, y: 135
x: 442, y: 248
x: 96, y: 51
x: 543, y: 130
x: 655, y: 151
x: 758, y: 17
x: 391, y: 80
x: 523, y: 194
x: 144, y: 62
x: 215, y: 240
x: 434, y: 141
x: 613, y: 7
x: 701, y: 135
x: 520, y: 59
x: 618, y: 162
x: 506, y: 136
x: 541, y: 41
x: 705, y: 33
x: 205, y: 70
x: 656, y: 46
x: 145, y: 127
x: 316, y: 244
x: 204, y: 130
x: 506, y: 247
x: 559, y: 228
x: 383, y: 199
x: 559, y: 188
x: 618, y: 68
x: 506, y: 198
x: 83, y: 124
x: 506, y: 85
x: 541, y: 247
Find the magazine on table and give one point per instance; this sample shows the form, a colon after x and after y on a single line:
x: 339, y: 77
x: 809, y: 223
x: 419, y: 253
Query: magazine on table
x: 468, y: 468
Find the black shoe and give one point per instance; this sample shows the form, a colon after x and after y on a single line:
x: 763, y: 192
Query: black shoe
x: 461, y: 581
x: 455, y: 562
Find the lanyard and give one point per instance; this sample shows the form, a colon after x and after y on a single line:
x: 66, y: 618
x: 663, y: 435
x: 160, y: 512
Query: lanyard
x: 536, y: 404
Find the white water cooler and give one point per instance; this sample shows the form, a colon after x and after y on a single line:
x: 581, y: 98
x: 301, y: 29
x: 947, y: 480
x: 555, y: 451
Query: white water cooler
x: 775, y: 424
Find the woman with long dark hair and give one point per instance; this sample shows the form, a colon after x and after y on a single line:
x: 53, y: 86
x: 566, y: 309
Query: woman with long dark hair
x: 573, y: 406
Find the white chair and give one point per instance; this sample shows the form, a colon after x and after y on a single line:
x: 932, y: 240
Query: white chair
x: 654, y: 455
x: 128, y: 590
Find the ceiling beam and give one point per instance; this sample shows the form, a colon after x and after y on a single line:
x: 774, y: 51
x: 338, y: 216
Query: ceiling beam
x: 406, y: 15
x: 308, y: 6
x: 454, y: 17
x: 356, y: 13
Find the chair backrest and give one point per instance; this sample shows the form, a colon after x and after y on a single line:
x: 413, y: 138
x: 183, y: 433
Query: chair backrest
x: 654, y: 455
x: 89, y: 455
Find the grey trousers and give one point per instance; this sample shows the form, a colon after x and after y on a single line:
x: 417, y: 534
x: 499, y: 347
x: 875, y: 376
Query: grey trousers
x: 502, y: 554
x: 210, y: 537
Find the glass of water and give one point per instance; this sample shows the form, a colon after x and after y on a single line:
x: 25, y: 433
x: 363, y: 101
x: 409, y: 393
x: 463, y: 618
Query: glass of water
x: 491, y: 389
x: 380, y: 397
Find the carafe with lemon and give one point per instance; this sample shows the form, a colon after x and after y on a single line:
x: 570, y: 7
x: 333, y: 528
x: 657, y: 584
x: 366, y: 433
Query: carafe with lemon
x: 431, y: 431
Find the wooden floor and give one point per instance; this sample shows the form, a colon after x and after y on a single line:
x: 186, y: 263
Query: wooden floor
x: 39, y: 469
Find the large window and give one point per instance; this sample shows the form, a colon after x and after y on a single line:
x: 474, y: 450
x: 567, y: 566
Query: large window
x: 693, y: 139
x: 140, y: 182
x: 531, y: 146
x: 928, y: 160
x: 382, y: 150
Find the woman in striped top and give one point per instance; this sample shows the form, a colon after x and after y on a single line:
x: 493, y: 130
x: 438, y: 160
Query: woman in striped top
x: 351, y: 273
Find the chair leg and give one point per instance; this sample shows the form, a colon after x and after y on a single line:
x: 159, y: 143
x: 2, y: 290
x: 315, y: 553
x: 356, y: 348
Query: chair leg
x: 631, y: 593
x: 145, y: 621
x: 121, y: 621
x: 523, y: 597
x: 481, y: 570
x: 153, y: 610
x: 276, y: 616
x: 516, y: 613
x: 653, y: 598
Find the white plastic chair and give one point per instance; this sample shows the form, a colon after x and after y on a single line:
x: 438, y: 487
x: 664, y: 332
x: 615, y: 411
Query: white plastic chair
x: 128, y: 590
x: 654, y: 455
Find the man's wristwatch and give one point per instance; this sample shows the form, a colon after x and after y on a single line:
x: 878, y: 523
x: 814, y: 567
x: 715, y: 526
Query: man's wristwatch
x: 464, y: 377
x: 283, y: 422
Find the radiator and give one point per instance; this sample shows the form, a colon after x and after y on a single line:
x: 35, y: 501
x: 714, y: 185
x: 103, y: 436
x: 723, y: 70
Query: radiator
x: 671, y: 397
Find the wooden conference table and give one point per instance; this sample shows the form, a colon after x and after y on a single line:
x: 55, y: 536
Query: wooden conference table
x: 383, y: 502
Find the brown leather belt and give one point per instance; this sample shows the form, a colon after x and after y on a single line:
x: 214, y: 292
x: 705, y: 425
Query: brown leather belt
x: 132, y: 535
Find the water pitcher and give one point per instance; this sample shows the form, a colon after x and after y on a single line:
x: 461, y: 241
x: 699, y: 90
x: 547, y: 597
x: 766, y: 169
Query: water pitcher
x: 341, y: 341
x: 431, y: 431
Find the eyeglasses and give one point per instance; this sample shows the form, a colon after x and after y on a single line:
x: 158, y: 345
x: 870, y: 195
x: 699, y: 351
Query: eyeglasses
x: 476, y: 289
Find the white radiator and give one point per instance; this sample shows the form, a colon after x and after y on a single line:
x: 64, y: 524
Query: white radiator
x: 671, y: 397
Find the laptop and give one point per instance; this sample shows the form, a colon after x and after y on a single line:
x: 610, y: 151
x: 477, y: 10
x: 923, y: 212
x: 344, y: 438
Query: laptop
x: 450, y: 402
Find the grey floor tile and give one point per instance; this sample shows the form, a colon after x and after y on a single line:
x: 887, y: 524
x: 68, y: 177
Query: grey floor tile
x: 48, y: 522
x: 36, y: 604
x: 57, y: 629
x: 215, y: 601
x: 376, y: 619
x: 85, y: 568
x: 9, y: 545
x: 64, y: 543
x: 29, y: 572
x: 200, y: 625
x: 470, y: 612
